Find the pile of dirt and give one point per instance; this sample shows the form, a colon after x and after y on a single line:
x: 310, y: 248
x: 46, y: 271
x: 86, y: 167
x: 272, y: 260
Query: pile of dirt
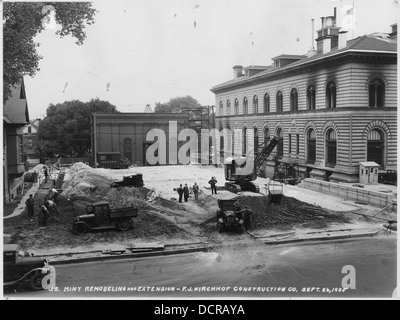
x: 83, y: 179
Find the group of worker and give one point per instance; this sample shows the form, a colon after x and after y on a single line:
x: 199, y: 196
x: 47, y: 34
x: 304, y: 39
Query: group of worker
x: 185, y: 191
x: 48, y: 206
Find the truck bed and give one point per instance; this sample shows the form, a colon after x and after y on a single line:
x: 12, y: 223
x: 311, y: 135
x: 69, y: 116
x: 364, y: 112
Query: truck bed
x: 124, y: 212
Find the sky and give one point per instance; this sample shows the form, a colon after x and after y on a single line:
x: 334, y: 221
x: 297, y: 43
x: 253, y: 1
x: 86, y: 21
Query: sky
x: 141, y: 52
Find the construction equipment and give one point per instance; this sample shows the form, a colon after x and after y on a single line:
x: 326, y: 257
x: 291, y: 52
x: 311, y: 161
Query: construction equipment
x: 287, y: 173
x: 239, y: 177
x: 229, y: 216
x: 99, y: 216
x: 274, y: 192
x: 135, y: 180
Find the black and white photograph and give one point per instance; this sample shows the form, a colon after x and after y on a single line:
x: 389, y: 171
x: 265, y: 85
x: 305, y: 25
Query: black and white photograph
x: 212, y: 151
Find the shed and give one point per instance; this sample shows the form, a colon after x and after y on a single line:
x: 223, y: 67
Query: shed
x: 369, y: 172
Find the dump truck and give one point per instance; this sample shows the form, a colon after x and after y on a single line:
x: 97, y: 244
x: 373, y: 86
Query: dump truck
x: 274, y: 192
x: 229, y: 216
x: 135, y: 180
x: 99, y: 216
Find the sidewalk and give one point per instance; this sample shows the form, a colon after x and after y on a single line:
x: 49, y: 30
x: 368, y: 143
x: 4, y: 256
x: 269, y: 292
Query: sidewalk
x: 113, y: 252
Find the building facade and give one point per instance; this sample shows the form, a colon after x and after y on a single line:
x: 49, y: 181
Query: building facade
x: 15, y: 117
x: 30, y: 143
x: 332, y: 108
x: 117, y: 136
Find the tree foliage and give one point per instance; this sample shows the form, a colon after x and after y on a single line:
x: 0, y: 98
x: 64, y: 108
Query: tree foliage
x: 65, y: 131
x: 22, y: 21
x: 175, y: 105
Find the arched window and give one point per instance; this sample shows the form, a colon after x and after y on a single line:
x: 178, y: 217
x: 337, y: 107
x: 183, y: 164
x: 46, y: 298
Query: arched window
x: 256, y: 141
x: 267, y: 137
x: 294, y: 100
x: 266, y: 103
x: 376, y: 146
x: 331, y: 153
x: 236, y: 106
x: 279, y: 101
x: 255, y: 104
x: 331, y: 95
x: 311, y: 98
x: 279, y: 147
x: 311, y: 146
x: 128, y: 148
x: 376, y: 94
x: 244, y: 142
x: 228, y: 108
x: 245, y: 106
x: 221, y: 108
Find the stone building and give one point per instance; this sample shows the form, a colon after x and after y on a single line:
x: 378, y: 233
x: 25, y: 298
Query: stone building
x: 332, y: 108
x: 117, y: 136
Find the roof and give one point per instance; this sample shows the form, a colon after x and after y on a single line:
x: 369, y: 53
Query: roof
x: 257, y: 67
x: 369, y: 164
x: 290, y: 57
x: 15, y: 109
x: 376, y: 42
x: 11, y: 247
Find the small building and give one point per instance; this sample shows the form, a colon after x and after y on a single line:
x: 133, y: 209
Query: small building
x: 369, y: 172
x: 31, y: 146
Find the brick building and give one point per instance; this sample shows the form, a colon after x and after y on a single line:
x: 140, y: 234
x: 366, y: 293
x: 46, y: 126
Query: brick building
x: 332, y: 108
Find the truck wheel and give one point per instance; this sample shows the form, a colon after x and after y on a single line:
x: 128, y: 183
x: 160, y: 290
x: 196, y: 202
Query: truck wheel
x: 35, y: 282
x: 123, y: 225
x: 79, y: 228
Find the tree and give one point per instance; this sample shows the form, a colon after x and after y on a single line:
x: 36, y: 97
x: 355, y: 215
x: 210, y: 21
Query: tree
x: 175, y: 105
x: 65, y: 131
x: 22, y: 21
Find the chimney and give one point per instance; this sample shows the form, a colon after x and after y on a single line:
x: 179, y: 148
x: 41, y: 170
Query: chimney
x: 334, y: 16
x: 342, y: 40
x: 393, y: 34
x: 322, y: 22
x: 237, y: 71
x: 326, y: 45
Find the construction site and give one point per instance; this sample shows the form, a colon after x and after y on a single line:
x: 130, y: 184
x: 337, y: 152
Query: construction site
x: 161, y: 219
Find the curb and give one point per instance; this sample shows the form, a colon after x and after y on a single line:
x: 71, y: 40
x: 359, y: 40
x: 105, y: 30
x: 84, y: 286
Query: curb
x: 131, y: 256
x: 324, y: 238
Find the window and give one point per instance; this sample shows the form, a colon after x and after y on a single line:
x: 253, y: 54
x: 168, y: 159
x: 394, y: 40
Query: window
x: 279, y: 102
x: 255, y: 104
x: 375, y: 146
x: 221, y: 108
x: 29, y: 129
x: 20, y: 150
x: 266, y: 103
x: 256, y: 141
x: 266, y: 136
x: 279, y: 133
x: 376, y: 94
x: 294, y: 103
x: 297, y: 144
x: 311, y: 146
x: 128, y: 148
x: 290, y: 143
x: 311, y: 98
x: 228, y: 108
x: 331, y: 95
x: 245, y: 106
x: 331, y: 148
x: 236, y: 106
x: 30, y: 142
x: 244, y: 143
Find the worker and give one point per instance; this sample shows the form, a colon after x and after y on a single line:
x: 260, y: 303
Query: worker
x: 46, y: 174
x: 51, y: 206
x: 247, y: 217
x: 180, y: 192
x: 186, y: 192
x: 30, y: 206
x: 43, y: 216
x: 213, y: 183
x: 54, y: 194
x: 196, y: 191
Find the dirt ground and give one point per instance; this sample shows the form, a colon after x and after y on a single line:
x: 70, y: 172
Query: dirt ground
x: 160, y: 218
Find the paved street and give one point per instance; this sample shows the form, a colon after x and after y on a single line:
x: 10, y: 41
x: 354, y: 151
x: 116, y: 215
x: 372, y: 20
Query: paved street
x: 259, y: 268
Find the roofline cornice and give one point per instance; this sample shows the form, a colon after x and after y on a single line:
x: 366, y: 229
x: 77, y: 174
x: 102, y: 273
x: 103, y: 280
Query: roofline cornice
x: 304, y: 65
